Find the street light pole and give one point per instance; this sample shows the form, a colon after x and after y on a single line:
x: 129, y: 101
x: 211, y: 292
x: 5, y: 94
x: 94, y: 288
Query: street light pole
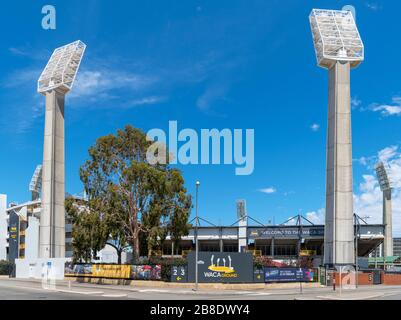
x: 196, y: 238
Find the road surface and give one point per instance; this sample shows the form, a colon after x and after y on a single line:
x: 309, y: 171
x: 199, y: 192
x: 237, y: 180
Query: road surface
x: 13, y: 289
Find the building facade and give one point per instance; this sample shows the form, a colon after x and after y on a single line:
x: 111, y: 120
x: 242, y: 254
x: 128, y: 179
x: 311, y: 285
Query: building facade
x: 397, y: 247
x: 23, y: 231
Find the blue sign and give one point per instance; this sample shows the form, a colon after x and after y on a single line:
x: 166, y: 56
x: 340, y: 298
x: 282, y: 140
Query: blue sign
x: 288, y: 275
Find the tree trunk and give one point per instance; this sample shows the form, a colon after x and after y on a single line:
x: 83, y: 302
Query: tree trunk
x: 137, y: 253
x: 135, y: 245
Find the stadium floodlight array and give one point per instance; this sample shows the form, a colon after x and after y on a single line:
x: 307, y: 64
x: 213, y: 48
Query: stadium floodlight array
x: 61, y: 70
x: 336, y: 37
x: 36, y: 181
x: 382, y: 175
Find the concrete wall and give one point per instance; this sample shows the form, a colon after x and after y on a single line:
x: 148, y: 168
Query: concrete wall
x: 32, y: 239
x: 3, y: 227
x: 38, y: 268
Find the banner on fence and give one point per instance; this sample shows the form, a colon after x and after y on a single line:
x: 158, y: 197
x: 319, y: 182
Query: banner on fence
x: 78, y: 270
x: 146, y: 272
x: 135, y: 272
x: 111, y: 271
x: 288, y: 275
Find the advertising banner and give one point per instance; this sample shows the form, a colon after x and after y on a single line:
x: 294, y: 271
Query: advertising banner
x: 285, y: 232
x: 226, y: 267
x: 111, y: 271
x: 146, y: 272
x: 288, y: 275
x: 78, y: 270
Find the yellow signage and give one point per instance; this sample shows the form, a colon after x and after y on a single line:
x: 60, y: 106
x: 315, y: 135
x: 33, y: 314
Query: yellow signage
x: 111, y: 271
x: 307, y: 253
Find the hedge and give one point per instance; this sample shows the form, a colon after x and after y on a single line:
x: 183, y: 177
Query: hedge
x: 6, y: 267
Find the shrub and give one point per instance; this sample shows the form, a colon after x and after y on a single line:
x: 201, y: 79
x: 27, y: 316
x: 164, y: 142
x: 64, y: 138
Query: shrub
x: 262, y: 262
x: 166, y: 264
x: 6, y: 267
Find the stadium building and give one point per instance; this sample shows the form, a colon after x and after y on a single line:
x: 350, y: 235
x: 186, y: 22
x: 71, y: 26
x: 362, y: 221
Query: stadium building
x: 287, y: 241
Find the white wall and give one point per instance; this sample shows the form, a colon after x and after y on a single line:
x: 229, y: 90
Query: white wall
x: 32, y: 239
x: 3, y: 227
x: 35, y: 268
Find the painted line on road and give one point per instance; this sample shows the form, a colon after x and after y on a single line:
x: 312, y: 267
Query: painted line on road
x: 80, y: 292
x: 115, y: 295
x: 350, y: 298
x: 259, y: 294
x: 57, y: 290
x: 154, y: 290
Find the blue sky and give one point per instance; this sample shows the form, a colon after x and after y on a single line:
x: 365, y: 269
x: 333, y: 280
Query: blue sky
x: 206, y: 64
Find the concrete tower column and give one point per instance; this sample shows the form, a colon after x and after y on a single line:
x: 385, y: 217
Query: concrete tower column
x: 52, y: 220
x: 388, y: 223
x: 243, y: 234
x: 339, y: 229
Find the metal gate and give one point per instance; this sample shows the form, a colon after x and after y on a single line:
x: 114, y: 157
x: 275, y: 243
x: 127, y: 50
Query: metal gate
x: 377, y: 278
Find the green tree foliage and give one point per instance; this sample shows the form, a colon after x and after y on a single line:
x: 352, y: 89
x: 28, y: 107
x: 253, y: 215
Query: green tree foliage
x: 90, y: 230
x: 132, y: 196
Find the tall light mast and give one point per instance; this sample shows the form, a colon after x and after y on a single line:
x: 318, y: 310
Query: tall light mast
x: 386, y: 188
x: 338, y: 48
x: 54, y: 83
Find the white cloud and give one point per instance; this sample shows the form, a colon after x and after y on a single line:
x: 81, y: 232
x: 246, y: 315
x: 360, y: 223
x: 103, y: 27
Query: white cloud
x: 104, y: 83
x: 387, y: 110
x: 355, y: 102
x: 17, y: 51
x: 363, y: 161
x: 388, y: 153
x: 146, y: 101
x: 373, y: 6
x: 22, y: 78
x: 270, y: 190
x: 393, y: 109
x: 211, y: 95
x: 315, y: 127
x: 368, y: 199
x: 94, y: 85
x: 316, y: 217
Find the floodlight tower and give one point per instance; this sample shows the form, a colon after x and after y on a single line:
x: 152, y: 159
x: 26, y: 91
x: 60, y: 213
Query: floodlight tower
x: 55, y: 82
x: 35, y: 186
x: 386, y: 188
x: 338, y: 48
